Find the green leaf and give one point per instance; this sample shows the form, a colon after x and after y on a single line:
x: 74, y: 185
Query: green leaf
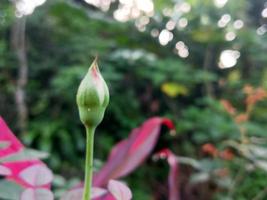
x: 9, y: 190
x: 261, y: 164
x: 174, y: 89
x: 200, y: 177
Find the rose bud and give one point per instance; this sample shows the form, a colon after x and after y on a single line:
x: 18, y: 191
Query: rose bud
x: 92, y: 97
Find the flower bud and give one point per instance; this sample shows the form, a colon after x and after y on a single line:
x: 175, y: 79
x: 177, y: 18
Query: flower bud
x: 92, y: 97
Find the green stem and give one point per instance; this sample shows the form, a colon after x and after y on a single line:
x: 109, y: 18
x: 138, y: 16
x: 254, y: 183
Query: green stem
x: 89, y: 163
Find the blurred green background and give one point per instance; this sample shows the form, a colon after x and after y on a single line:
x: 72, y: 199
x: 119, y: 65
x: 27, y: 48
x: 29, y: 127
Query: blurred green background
x: 172, y: 58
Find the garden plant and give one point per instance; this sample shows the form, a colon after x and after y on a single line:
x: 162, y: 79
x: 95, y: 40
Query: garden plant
x: 172, y: 108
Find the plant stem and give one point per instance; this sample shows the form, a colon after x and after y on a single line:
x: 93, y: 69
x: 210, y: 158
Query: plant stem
x: 89, y: 163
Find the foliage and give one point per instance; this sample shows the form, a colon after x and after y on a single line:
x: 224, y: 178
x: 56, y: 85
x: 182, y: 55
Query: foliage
x: 22, y: 167
x: 32, y: 175
x: 145, y: 79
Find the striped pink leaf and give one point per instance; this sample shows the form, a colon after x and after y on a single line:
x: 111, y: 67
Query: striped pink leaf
x: 128, y: 154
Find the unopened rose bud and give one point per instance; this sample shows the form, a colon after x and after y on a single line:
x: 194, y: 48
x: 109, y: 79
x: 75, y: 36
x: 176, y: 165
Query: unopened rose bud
x: 92, y: 97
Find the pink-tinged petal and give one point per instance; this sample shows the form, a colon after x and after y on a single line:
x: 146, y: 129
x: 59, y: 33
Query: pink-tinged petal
x: 119, y: 190
x: 77, y: 194
x: 36, y: 175
x: 131, y: 152
x: 37, y: 194
x: 173, y: 178
x: 4, y: 171
x: 6, y: 135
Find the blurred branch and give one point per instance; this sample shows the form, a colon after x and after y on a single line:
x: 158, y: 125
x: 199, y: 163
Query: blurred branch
x: 206, y: 67
x: 18, y: 44
x: 247, y: 65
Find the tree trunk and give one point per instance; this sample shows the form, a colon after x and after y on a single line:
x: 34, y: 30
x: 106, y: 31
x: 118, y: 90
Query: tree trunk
x: 18, y: 44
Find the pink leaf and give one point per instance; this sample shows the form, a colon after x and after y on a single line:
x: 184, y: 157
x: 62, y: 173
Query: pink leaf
x: 15, y: 146
x: 36, y: 175
x: 131, y: 152
x: 4, y: 145
x: 7, y: 136
x: 119, y: 190
x: 74, y: 194
x: 77, y: 194
x: 173, y: 173
x: 98, y: 192
x: 17, y: 167
x: 36, y: 194
x: 4, y: 171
